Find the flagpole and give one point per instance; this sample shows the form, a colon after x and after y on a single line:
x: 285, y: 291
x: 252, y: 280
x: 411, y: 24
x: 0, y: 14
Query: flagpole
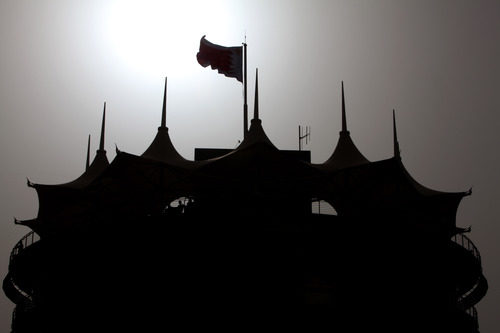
x: 224, y: 59
x: 245, y: 105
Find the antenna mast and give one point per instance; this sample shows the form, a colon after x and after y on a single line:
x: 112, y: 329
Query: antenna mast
x: 304, y: 135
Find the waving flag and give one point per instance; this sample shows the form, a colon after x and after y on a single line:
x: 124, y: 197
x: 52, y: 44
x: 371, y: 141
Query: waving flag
x: 227, y: 60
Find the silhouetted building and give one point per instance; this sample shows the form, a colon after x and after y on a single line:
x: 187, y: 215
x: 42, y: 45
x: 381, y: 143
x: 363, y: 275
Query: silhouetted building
x: 235, y: 238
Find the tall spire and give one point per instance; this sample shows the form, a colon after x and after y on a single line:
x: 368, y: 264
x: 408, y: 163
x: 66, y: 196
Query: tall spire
x: 88, y: 155
x: 346, y: 154
x: 256, y: 132
x: 164, y: 110
x: 256, y: 102
x: 245, y: 104
x: 397, y: 152
x: 162, y: 149
x: 344, y: 121
x: 101, y: 144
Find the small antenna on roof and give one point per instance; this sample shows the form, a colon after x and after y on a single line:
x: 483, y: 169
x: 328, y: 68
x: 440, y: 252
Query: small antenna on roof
x: 304, y: 134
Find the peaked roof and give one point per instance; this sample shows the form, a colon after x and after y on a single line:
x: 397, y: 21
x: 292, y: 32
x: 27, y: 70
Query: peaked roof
x: 397, y: 151
x: 58, y: 199
x: 162, y: 149
x: 257, y: 160
x: 255, y: 169
x: 421, y: 189
x: 98, y: 165
x: 346, y: 154
x: 256, y: 133
x: 87, y: 164
x: 93, y: 169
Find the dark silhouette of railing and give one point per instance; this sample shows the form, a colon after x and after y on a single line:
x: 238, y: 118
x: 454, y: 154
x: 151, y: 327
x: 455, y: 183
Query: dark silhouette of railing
x: 471, y: 297
x: 466, y: 243
x: 465, y: 302
x: 9, y: 285
x: 15, y: 293
x: 474, y: 295
x: 28, y: 240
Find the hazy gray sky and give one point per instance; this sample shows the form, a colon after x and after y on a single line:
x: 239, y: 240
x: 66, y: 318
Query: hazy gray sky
x: 435, y: 62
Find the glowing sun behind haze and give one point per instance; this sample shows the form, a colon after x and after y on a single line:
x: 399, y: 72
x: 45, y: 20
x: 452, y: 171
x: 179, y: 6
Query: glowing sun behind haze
x: 155, y: 37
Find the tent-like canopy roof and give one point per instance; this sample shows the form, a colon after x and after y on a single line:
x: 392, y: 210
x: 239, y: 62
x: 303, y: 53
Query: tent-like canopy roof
x: 256, y: 171
x: 346, y: 154
x: 56, y: 200
x: 98, y: 165
x: 162, y: 149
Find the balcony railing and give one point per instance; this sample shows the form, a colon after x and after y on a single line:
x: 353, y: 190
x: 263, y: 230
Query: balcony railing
x: 467, y: 300
x: 28, y: 240
x: 26, y: 294
x: 466, y: 243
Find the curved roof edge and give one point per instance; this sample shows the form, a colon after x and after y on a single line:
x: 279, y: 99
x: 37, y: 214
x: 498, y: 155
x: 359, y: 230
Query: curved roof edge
x: 255, y: 133
x: 98, y: 165
x: 345, y: 154
x: 163, y: 150
x: 423, y: 189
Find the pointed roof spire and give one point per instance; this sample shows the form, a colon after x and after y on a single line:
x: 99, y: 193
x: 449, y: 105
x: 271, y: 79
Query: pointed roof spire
x: 162, y: 149
x: 103, y: 126
x: 256, y: 102
x: 256, y: 133
x: 397, y: 152
x: 346, y: 154
x: 164, y: 110
x: 344, y: 121
x: 92, y: 170
x: 88, y: 155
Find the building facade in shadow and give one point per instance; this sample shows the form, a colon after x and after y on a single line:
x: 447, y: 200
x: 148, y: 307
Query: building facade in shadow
x: 251, y: 237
